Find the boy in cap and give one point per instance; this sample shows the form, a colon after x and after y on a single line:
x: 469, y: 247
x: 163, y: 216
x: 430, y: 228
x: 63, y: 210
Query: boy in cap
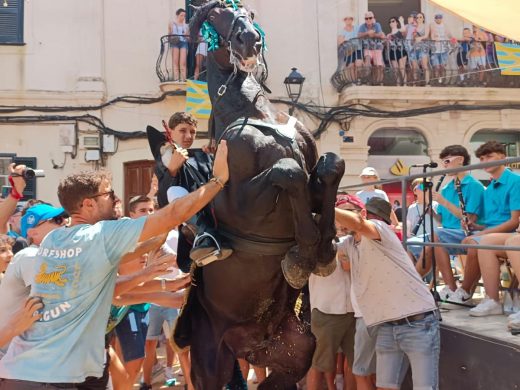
x: 396, y: 305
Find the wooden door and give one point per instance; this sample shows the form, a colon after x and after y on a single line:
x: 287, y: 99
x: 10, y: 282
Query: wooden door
x: 138, y: 177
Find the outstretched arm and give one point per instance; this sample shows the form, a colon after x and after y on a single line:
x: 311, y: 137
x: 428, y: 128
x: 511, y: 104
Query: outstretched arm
x: 8, y: 206
x: 354, y: 222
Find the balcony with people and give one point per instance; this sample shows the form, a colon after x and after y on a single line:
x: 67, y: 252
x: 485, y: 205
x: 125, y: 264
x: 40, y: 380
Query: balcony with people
x: 418, y: 55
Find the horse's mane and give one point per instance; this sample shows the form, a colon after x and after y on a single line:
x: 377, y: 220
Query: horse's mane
x: 200, y: 16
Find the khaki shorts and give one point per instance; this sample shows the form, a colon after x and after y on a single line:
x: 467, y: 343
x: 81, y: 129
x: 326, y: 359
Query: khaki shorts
x: 332, y: 332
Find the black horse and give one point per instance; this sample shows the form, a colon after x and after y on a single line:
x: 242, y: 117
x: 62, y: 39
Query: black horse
x: 277, y: 211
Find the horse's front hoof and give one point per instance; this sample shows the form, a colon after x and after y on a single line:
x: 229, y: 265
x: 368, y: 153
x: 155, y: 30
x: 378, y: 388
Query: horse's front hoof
x: 294, y: 274
x: 324, y: 270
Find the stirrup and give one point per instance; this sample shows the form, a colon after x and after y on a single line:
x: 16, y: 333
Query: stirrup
x: 204, y: 256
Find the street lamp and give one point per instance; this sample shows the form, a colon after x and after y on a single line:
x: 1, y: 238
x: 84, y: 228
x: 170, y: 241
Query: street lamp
x: 293, y: 84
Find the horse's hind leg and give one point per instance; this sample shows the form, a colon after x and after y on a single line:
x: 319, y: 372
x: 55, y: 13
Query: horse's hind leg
x: 323, y: 187
x: 288, y: 353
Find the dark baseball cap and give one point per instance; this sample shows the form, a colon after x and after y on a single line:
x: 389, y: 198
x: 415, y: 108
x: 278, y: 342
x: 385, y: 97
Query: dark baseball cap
x: 379, y: 207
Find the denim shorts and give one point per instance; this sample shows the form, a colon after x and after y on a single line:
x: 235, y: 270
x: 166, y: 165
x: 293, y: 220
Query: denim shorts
x: 364, y: 351
x: 452, y: 236
x: 160, y: 316
x: 419, y: 341
x: 439, y: 59
x: 131, y: 332
x: 415, y: 249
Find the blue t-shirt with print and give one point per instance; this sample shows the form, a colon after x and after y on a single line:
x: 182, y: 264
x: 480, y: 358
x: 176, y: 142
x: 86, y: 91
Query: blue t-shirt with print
x: 473, y: 195
x: 76, y: 269
x: 501, y: 197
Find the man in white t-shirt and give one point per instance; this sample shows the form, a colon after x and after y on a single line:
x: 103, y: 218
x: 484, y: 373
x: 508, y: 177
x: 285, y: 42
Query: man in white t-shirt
x: 396, y: 305
x: 332, y: 323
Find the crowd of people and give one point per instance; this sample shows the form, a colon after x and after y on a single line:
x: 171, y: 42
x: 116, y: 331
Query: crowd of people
x: 87, y: 292
x: 416, y: 51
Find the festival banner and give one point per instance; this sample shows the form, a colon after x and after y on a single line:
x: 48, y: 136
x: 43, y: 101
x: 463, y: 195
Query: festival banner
x: 197, y: 99
x: 508, y: 56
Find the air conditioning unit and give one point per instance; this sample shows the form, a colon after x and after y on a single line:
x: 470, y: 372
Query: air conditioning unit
x: 90, y: 142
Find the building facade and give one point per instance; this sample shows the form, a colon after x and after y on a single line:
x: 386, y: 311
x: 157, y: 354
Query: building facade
x: 65, y: 54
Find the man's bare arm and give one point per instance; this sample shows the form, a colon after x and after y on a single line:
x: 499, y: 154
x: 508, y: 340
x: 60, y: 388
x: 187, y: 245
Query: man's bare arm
x: 163, y: 298
x: 184, y: 208
x: 8, y: 206
x: 144, y: 247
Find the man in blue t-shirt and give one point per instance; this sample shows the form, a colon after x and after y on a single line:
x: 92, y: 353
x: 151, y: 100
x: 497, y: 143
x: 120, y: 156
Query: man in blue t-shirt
x: 371, y: 35
x: 449, y: 211
x: 76, y: 271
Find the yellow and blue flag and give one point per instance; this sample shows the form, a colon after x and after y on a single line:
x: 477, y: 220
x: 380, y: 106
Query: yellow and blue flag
x: 197, y: 99
x: 508, y: 56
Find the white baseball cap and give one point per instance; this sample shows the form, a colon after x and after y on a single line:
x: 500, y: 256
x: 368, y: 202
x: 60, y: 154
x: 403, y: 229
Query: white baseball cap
x: 369, y: 171
x: 175, y: 192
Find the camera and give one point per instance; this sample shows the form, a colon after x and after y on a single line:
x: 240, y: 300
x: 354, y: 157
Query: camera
x: 30, y: 173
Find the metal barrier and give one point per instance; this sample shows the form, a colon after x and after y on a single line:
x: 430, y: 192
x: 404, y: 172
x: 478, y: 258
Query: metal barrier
x: 196, y: 53
x: 405, y: 179
x: 395, y: 62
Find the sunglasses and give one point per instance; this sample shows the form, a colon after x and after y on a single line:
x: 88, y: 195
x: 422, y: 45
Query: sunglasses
x: 110, y: 193
x: 368, y: 18
x: 449, y: 160
x: 56, y: 220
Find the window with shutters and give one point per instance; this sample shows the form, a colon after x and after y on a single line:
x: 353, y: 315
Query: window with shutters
x: 8, y: 158
x: 11, y: 22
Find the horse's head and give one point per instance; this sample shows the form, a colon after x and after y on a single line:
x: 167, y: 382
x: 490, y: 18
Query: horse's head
x: 226, y: 24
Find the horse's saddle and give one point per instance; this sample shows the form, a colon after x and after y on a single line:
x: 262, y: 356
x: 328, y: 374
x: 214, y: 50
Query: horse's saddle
x: 285, y: 132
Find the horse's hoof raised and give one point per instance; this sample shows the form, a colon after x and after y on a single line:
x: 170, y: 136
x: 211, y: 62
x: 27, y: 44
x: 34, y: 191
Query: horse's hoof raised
x: 324, y: 270
x: 294, y: 274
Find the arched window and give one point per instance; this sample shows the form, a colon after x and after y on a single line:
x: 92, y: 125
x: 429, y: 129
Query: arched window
x: 510, y: 138
x: 390, y: 141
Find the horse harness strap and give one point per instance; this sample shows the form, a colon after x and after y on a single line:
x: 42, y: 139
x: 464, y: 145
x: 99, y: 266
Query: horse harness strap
x: 259, y: 246
x: 286, y: 133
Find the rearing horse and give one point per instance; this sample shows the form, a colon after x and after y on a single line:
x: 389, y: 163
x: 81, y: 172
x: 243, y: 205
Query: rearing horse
x: 277, y: 211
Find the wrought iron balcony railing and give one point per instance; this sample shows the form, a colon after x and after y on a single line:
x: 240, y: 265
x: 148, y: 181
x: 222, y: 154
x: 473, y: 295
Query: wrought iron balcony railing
x: 395, y: 62
x: 172, y: 66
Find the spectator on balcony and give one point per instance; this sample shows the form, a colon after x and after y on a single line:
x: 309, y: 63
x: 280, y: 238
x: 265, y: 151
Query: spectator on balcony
x: 396, y: 48
x: 440, y: 34
x: 200, y: 57
x: 349, y: 48
x: 419, y: 54
x: 462, y: 54
x: 372, y: 34
x: 477, y: 52
x: 179, y: 45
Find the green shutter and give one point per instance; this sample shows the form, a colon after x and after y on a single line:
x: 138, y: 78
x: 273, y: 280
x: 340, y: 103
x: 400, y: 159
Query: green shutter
x: 11, y: 22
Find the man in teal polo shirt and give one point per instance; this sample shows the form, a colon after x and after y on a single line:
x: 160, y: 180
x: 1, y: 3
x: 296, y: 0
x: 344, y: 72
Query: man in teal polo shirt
x: 453, y: 156
x: 76, y: 271
x: 501, y: 212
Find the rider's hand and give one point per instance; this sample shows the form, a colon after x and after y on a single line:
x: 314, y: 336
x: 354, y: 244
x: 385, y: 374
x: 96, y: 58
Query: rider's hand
x: 220, y: 166
x: 179, y: 157
x: 16, y: 172
x: 154, y: 187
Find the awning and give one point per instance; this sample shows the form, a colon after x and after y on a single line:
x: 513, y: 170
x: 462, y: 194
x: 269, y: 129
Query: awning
x: 499, y: 17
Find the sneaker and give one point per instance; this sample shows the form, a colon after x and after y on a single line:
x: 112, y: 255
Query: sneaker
x: 514, y: 321
x: 514, y: 317
x: 168, y: 373
x: 157, y: 372
x: 487, y: 307
x: 445, y: 293
x: 459, y: 296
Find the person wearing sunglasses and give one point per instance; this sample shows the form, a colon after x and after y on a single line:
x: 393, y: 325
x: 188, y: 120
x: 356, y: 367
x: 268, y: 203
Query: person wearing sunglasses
x: 372, y: 35
x: 76, y: 275
x: 452, y: 229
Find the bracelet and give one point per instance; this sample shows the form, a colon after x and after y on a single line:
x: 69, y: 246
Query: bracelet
x: 163, y: 284
x: 14, y: 192
x: 215, y: 179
